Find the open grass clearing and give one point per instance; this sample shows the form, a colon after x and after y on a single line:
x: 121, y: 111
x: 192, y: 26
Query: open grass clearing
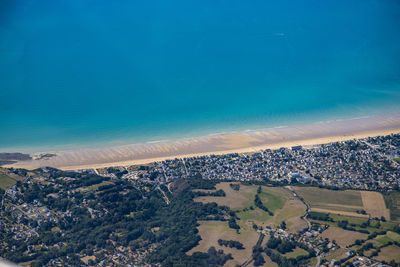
x: 93, y: 187
x: 211, y: 231
x: 389, y: 253
x: 342, y: 237
x: 295, y: 253
x: 268, y: 262
x: 6, y: 181
x: 337, y: 254
x: 282, y: 203
x: 233, y: 199
x: 381, y: 240
x: 374, y: 204
x: 315, y: 195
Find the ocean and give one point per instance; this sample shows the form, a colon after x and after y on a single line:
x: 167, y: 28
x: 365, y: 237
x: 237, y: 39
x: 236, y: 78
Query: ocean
x: 96, y: 73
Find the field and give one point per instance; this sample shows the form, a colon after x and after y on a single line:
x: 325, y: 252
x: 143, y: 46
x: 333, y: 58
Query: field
x: 6, y: 181
x: 93, y: 187
x: 392, y: 201
x: 343, y: 237
x: 347, y: 202
x: 295, y: 253
x: 338, y: 254
x: 279, y: 200
x: 374, y: 204
x: 389, y: 253
x: 234, y: 199
x: 211, y: 231
x: 389, y: 237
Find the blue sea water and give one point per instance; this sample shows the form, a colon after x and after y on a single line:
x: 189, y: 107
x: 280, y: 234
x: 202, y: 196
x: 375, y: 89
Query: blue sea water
x: 91, y: 72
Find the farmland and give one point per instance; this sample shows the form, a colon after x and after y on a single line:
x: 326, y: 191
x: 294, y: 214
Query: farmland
x: 363, y: 204
x: 211, y: 231
x: 351, y: 217
x: 389, y: 253
x: 342, y: 237
x: 392, y: 200
x: 6, y: 181
x: 280, y: 201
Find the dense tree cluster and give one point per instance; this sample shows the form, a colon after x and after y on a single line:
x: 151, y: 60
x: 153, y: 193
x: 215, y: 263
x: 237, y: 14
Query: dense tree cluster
x: 218, y: 193
x: 235, y: 187
x: 233, y: 224
x: 283, y: 246
x: 112, y: 211
x: 230, y: 243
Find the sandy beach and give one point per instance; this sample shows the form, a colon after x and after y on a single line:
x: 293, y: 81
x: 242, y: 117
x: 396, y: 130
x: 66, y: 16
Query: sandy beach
x: 249, y: 141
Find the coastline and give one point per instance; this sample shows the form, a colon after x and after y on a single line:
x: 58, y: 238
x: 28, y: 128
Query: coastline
x: 241, y: 142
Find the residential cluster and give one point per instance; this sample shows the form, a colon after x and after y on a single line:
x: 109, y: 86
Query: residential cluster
x: 371, y: 163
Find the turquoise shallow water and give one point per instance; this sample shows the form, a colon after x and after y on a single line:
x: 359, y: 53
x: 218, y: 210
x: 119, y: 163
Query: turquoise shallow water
x: 93, y: 72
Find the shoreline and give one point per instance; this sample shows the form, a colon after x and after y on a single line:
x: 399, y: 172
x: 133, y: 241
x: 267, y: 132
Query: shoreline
x: 218, y: 144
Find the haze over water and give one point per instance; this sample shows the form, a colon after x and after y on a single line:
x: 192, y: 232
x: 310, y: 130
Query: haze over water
x: 89, y: 72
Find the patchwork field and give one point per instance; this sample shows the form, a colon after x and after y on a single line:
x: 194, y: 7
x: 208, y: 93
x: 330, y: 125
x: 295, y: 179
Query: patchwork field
x: 341, y: 205
x: 279, y: 200
x: 285, y: 206
x: 347, y: 202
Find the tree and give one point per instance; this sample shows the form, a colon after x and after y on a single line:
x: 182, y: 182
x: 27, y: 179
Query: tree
x: 283, y: 225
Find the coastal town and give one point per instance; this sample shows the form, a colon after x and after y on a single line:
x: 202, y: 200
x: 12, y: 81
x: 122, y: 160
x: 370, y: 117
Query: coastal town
x: 370, y: 163
x: 46, y: 209
x: 200, y: 133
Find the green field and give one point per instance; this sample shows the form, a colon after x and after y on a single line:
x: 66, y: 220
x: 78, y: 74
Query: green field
x: 6, y: 181
x: 358, y: 221
x: 295, y: 253
x: 389, y: 237
x: 93, y: 187
x: 316, y: 196
x: 278, y: 200
x: 392, y: 200
x: 272, y: 198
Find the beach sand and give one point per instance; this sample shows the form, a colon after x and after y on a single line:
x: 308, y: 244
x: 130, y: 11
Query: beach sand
x: 249, y: 141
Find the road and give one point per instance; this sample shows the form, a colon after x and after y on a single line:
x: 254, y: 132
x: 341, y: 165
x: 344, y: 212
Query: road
x: 164, y: 196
